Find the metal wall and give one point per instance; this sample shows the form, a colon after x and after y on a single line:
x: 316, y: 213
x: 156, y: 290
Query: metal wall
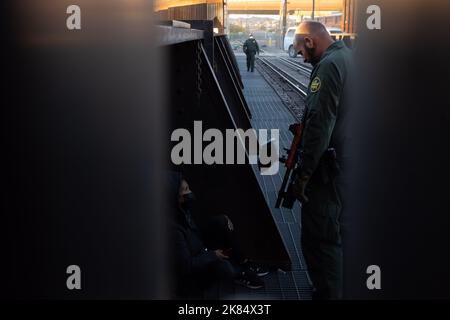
x: 214, y: 97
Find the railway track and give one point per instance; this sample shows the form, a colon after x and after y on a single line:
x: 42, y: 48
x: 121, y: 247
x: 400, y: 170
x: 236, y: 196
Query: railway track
x: 296, y: 62
x: 285, y: 77
x: 297, y: 66
x: 289, y: 88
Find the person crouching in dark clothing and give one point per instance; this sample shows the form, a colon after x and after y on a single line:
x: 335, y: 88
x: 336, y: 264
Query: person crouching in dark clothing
x: 198, y: 266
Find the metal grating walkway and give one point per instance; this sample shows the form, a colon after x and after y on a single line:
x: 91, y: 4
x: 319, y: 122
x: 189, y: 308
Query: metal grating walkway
x: 268, y: 112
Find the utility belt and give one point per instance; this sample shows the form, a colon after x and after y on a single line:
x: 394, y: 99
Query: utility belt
x: 329, y: 167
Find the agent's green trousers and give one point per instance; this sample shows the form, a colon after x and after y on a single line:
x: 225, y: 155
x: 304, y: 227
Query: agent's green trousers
x: 321, y: 238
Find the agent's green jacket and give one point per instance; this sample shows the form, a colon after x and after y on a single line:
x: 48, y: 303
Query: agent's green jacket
x: 326, y: 107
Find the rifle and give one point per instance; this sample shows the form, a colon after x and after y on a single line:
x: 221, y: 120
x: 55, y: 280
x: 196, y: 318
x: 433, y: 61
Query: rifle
x: 286, y: 198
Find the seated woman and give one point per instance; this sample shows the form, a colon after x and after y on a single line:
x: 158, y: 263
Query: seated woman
x: 205, y: 254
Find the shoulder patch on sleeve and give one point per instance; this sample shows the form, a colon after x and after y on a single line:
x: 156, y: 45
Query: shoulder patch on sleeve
x: 315, y: 84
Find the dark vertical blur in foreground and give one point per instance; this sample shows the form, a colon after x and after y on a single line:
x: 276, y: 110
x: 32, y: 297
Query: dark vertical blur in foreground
x: 398, y: 208
x: 80, y: 169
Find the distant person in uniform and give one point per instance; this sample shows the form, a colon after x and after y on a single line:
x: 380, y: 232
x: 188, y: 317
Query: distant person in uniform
x: 319, y: 184
x: 250, y: 48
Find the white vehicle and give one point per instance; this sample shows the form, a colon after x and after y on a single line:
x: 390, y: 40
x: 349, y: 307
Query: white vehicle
x: 288, y: 42
x: 334, y: 30
x: 289, y: 39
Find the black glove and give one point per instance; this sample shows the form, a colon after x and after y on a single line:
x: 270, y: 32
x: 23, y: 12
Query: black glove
x: 299, y: 189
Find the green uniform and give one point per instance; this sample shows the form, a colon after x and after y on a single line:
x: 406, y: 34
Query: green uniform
x: 250, y: 48
x: 325, y: 124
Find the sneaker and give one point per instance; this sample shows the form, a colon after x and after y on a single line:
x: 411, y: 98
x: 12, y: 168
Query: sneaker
x: 249, y: 280
x: 259, y: 271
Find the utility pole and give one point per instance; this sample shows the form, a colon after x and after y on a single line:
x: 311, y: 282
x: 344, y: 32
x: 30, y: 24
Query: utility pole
x: 283, y: 21
x: 313, y: 9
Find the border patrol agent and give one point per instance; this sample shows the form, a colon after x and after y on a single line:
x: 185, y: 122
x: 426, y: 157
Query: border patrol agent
x: 250, y: 49
x: 318, y: 186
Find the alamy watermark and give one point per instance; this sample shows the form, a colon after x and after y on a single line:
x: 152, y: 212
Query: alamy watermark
x: 73, y: 21
x: 374, y: 280
x: 74, y: 279
x: 228, y: 148
x: 373, y: 22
